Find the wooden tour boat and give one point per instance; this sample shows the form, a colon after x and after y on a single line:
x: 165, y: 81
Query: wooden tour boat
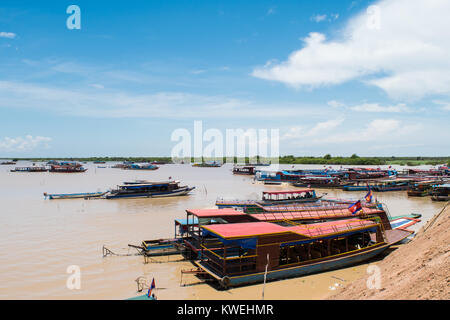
x: 149, y: 190
x: 246, y: 253
x: 244, y: 170
x: 441, y: 192
x: 272, y: 197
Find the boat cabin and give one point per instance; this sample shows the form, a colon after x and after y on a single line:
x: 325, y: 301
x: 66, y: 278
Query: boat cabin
x: 289, y: 195
x: 246, y: 170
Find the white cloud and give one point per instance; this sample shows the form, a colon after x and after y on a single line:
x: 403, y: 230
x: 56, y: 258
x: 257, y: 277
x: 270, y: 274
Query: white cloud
x: 375, y: 133
x: 335, y: 104
x: 271, y: 11
x: 375, y: 107
x: 319, y: 17
x: 21, y: 144
x: 445, y: 105
x: 401, y: 47
x: 319, y: 129
x: 122, y: 104
x: 97, y: 86
x: 8, y: 35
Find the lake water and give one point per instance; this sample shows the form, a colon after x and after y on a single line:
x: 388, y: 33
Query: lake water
x: 41, y: 238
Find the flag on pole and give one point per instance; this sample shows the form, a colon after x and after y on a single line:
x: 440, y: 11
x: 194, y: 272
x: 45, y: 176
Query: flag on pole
x: 369, y: 195
x: 152, y: 286
x: 354, y: 208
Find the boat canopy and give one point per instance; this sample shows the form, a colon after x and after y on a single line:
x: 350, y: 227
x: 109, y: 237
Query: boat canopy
x: 287, y: 192
x: 313, y: 214
x: 209, y: 213
x: 147, y: 184
x: 246, y: 234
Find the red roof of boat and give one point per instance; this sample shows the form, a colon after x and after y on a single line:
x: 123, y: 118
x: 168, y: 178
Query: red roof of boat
x: 288, y: 191
x: 252, y: 229
x: 204, y: 213
x: 311, y: 214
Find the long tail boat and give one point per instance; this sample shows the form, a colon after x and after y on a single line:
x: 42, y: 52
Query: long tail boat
x: 30, y: 169
x: 88, y: 195
x: 246, y: 253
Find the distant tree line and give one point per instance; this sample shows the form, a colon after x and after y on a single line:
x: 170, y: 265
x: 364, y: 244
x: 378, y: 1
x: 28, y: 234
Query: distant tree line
x: 327, y: 159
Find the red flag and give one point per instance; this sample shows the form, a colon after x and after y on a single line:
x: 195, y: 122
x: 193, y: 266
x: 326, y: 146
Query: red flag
x: 152, y: 286
x: 354, y: 208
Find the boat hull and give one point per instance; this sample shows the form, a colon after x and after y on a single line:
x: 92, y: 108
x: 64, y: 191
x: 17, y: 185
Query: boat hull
x: 75, y: 195
x: 174, y: 193
x: 298, y: 271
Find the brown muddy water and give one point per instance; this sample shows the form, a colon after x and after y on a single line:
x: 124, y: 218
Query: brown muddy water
x: 41, y: 238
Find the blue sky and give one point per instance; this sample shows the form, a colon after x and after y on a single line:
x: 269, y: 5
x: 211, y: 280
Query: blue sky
x: 138, y: 70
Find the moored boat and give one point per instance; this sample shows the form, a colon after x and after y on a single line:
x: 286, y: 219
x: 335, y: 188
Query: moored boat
x: 441, y: 192
x: 66, y: 167
x: 208, y: 164
x: 30, y: 169
x: 7, y: 163
x: 321, y: 182
x: 136, y: 166
x: 246, y: 253
x: 149, y: 190
x: 244, y: 170
x: 87, y: 195
x: 272, y: 197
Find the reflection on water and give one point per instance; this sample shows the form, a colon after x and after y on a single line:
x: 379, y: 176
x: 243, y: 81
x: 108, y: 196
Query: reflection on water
x: 41, y: 238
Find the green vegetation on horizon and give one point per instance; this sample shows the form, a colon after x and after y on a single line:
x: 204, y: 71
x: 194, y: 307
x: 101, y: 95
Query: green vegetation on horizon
x: 288, y: 159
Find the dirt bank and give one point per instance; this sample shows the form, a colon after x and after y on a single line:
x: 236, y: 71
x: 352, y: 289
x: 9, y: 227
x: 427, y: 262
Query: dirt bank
x: 419, y: 269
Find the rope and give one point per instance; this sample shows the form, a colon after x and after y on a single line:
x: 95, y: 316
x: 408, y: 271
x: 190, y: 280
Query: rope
x: 108, y: 252
x: 433, y: 220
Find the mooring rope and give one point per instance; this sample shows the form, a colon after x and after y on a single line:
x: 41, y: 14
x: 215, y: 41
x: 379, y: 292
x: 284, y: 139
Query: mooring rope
x: 109, y: 252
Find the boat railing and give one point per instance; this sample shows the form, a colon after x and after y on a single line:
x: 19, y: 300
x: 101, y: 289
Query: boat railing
x: 229, y: 260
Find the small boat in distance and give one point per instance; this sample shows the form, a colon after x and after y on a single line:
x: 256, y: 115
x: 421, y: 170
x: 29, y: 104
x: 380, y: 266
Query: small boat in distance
x: 136, y: 166
x: 66, y: 167
x: 6, y: 163
x: 208, y: 164
x: 149, y: 190
x: 30, y: 169
x: 88, y: 195
x: 244, y: 170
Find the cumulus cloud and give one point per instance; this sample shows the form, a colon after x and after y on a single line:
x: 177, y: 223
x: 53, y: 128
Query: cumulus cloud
x: 9, y: 35
x: 404, y: 54
x: 319, y: 129
x: 375, y: 107
x: 107, y: 103
x: 319, y: 17
x: 376, y: 132
x: 21, y: 144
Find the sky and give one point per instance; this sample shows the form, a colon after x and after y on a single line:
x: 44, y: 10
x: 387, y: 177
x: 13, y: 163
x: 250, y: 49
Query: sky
x: 334, y: 77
